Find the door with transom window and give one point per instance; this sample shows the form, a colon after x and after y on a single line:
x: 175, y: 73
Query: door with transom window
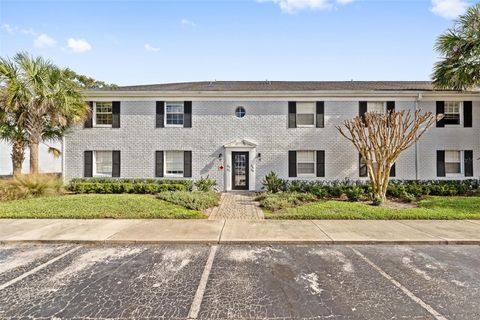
x: 240, y: 171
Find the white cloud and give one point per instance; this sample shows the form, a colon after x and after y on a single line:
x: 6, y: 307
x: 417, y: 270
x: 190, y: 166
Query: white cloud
x: 44, y: 41
x: 148, y: 47
x: 78, y: 45
x: 14, y: 29
x: 449, y: 9
x: 292, y: 6
x: 28, y: 31
x: 9, y: 28
x: 188, y: 23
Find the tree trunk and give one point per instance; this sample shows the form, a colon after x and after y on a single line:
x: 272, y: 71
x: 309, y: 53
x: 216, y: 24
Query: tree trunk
x: 34, y: 157
x: 18, y: 155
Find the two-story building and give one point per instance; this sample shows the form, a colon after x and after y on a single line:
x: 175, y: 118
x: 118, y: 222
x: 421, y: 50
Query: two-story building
x: 236, y: 132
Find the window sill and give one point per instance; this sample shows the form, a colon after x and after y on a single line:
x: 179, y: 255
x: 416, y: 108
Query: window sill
x: 454, y: 175
x: 173, y: 175
x: 306, y: 126
x: 102, y: 126
x: 101, y: 175
x: 310, y: 175
x: 173, y: 126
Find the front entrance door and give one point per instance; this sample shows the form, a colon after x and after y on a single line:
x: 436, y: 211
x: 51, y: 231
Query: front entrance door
x: 240, y: 171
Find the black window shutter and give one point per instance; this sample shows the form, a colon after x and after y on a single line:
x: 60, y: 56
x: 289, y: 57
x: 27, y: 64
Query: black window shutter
x: 362, y: 109
x: 467, y: 114
x: 187, y: 114
x: 320, y: 111
x: 392, y: 171
x: 292, y: 114
x: 362, y: 171
x: 292, y: 163
x: 116, y: 164
x: 320, y: 163
x: 468, y: 162
x: 159, y: 164
x: 160, y: 114
x: 116, y: 114
x: 440, y: 163
x: 89, y: 121
x: 88, y: 164
x: 187, y: 164
x: 390, y: 106
x: 441, y: 110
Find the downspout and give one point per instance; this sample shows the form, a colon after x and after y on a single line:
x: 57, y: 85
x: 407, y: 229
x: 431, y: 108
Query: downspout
x: 417, y: 100
x: 62, y: 154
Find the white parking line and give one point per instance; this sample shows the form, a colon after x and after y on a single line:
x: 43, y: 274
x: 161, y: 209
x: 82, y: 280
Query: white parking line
x: 197, y: 300
x: 410, y: 294
x: 40, y: 267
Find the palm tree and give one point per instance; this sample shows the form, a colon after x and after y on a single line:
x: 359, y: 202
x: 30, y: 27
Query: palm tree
x: 49, y: 102
x: 10, y: 122
x: 11, y: 132
x: 459, y: 69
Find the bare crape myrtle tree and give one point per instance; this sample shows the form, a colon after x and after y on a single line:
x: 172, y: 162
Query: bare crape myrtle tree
x: 381, y: 138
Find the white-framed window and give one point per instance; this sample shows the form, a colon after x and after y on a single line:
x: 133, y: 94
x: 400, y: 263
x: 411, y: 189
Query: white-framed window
x: 174, y: 111
x: 306, y: 163
x: 174, y: 163
x: 305, y: 114
x: 453, y: 162
x: 452, y: 113
x: 102, y: 163
x: 377, y: 107
x: 102, y: 114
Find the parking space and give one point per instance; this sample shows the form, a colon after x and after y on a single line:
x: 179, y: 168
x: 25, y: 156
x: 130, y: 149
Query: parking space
x: 244, y: 282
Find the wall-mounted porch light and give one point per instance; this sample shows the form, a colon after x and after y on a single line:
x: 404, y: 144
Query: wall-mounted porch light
x: 259, y: 156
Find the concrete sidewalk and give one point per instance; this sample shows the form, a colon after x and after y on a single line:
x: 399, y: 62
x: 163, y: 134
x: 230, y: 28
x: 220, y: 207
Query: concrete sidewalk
x: 240, y: 231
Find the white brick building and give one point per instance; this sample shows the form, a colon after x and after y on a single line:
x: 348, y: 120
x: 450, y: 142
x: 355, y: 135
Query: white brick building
x: 237, y: 132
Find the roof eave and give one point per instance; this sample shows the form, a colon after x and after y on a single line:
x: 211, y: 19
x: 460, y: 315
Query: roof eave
x: 274, y: 94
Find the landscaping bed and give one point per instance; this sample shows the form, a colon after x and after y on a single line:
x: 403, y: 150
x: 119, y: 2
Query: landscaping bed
x: 432, y: 207
x: 98, y: 206
x: 439, y: 199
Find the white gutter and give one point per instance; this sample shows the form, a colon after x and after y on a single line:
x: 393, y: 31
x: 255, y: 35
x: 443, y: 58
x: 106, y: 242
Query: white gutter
x: 278, y: 95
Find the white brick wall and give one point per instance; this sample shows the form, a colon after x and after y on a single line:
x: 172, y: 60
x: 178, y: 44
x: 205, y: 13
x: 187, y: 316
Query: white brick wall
x: 214, y: 124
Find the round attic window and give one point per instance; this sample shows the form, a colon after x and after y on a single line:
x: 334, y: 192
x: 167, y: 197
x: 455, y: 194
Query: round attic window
x: 240, y: 112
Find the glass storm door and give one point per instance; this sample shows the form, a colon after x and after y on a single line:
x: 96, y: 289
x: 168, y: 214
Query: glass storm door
x: 240, y: 171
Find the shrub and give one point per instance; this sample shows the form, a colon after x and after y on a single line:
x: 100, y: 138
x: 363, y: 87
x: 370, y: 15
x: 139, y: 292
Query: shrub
x: 116, y: 187
x: 283, y: 200
x: 407, y: 197
x: 354, y: 193
x: 191, y: 200
x: 188, y: 184
x: 29, y: 186
x: 335, y: 191
x: 205, y: 184
x: 318, y: 191
x: 272, y: 183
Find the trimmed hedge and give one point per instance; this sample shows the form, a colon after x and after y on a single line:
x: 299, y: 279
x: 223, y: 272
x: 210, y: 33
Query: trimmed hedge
x: 123, y: 185
x: 402, y: 189
x: 115, y: 187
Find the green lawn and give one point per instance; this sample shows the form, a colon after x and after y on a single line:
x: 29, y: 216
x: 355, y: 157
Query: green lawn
x: 430, y: 208
x: 117, y: 206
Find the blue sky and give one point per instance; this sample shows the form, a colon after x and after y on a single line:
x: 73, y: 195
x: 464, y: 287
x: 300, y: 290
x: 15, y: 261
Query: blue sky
x: 137, y: 42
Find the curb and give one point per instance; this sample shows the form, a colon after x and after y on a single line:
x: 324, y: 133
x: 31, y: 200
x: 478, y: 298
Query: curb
x: 246, y: 242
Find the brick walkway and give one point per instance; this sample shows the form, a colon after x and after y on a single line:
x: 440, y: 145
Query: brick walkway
x: 237, y: 206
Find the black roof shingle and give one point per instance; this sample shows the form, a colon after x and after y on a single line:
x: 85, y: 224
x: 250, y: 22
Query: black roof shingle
x: 282, y: 86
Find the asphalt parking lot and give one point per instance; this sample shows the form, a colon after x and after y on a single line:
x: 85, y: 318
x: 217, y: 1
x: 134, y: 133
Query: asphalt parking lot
x: 239, y: 282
